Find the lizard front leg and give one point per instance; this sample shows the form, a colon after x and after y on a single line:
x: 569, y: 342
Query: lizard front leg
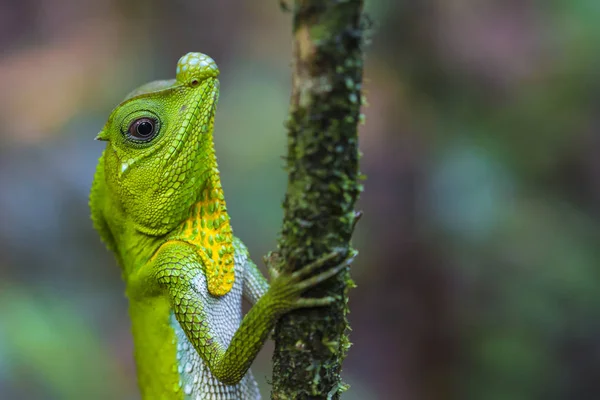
x: 174, y: 269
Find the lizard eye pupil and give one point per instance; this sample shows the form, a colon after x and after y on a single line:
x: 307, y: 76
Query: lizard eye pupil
x: 142, y: 129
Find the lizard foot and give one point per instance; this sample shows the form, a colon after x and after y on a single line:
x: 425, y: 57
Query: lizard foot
x: 286, y: 288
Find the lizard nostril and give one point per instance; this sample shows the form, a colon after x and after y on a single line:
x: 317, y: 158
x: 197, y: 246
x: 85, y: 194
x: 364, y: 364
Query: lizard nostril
x: 195, y: 82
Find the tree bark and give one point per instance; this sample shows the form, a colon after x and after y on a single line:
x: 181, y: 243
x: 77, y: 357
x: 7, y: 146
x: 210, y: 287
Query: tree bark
x: 323, y: 186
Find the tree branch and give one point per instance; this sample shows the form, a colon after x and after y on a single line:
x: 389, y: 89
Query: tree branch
x: 322, y: 166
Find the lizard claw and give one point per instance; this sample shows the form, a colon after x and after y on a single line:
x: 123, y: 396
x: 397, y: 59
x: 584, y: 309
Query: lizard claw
x: 287, y: 288
x: 319, y: 302
x: 308, y: 269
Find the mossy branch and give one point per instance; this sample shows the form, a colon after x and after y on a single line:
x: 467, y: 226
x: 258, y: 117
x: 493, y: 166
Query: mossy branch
x: 323, y: 186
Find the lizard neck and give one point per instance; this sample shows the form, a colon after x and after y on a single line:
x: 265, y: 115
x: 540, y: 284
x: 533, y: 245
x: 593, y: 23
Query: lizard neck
x: 208, y: 229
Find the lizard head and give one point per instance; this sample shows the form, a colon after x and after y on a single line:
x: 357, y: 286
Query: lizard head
x: 159, y: 149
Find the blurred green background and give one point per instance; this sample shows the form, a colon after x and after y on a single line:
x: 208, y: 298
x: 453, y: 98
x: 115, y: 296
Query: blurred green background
x: 479, y: 260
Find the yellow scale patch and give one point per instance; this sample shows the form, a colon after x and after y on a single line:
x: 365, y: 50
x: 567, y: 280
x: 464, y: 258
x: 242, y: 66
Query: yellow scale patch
x: 208, y: 227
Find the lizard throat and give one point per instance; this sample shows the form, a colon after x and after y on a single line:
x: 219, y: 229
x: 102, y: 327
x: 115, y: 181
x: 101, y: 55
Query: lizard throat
x: 208, y: 228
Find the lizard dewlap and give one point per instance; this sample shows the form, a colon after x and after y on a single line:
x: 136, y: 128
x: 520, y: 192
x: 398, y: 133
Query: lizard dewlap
x: 158, y: 204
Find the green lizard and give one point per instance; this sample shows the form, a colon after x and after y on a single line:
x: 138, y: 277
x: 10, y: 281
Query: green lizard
x: 158, y: 204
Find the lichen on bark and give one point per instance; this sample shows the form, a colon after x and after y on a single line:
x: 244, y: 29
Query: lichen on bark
x: 323, y: 186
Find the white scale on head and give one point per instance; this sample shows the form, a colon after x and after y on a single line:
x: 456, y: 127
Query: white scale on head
x: 196, y: 66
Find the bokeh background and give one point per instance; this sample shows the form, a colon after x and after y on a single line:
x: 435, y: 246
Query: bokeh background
x: 479, y: 261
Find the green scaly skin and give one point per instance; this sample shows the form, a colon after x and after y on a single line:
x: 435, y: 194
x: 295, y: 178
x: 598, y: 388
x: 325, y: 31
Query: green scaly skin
x: 158, y: 204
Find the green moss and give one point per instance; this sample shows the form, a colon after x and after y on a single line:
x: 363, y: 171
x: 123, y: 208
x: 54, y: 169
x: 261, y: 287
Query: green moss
x: 323, y: 186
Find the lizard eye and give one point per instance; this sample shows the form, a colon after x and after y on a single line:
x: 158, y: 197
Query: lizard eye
x: 142, y: 129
